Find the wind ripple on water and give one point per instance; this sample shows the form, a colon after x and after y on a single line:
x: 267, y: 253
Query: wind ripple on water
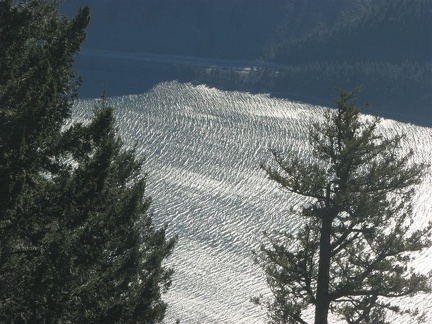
x: 202, y: 150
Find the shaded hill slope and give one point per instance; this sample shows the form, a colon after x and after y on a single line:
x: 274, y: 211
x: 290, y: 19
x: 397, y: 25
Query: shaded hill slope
x: 384, y: 46
x: 229, y: 29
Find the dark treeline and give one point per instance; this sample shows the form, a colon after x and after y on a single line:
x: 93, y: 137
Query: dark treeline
x: 392, y: 31
x: 398, y: 91
x: 386, y: 49
x: 383, y: 46
x: 228, y: 29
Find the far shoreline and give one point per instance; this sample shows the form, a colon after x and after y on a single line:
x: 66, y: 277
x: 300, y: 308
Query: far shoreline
x: 134, y: 73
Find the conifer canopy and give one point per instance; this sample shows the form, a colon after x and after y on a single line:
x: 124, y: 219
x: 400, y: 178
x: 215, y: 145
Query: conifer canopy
x: 77, y: 242
x: 351, y: 257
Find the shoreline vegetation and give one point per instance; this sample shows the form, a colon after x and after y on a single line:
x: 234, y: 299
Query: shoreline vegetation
x: 134, y: 73
x: 306, y: 48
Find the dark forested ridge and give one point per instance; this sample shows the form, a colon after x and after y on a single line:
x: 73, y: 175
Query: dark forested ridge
x: 383, y: 46
x: 387, y: 50
x: 393, y: 31
x: 229, y: 29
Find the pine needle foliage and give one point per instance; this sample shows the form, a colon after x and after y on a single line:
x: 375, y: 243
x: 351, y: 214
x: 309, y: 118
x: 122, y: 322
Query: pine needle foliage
x: 351, y: 257
x: 77, y: 242
x: 116, y: 251
x: 37, y: 88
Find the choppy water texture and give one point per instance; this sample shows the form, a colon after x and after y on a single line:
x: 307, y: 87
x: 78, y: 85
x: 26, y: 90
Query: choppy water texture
x: 203, y: 148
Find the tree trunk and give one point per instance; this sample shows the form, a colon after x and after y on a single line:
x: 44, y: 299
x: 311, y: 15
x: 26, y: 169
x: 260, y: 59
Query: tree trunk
x: 322, y: 297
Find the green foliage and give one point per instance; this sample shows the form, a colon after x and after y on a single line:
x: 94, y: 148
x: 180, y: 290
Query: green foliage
x: 351, y: 256
x: 77, y: 243
x: 117, y: 253
x: 37, y: 86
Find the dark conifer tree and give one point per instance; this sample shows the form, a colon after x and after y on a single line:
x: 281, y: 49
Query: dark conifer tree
x: 117, y: 274
x: 37, y: 88
x: 77, y: 244
x: 351, y: 256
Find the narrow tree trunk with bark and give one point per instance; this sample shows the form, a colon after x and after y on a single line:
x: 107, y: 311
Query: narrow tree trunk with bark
x: 322, y: 296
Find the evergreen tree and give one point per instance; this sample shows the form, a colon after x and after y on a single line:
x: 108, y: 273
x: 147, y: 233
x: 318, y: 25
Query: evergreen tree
x: 117, y: 274
x: 351, y: 255
x: 76, y: 241
x: 37, y: 88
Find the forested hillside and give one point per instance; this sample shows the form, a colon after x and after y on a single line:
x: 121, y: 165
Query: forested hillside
x: 231, y: 29
x: 393, y: 31
x: 387, y: 50
x: 383, y: 46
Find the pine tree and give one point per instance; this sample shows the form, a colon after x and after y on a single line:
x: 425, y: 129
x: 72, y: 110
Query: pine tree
x: 351, y: 255
x: 37, y: 88
x: 77, y: 243
x: 117, y: 274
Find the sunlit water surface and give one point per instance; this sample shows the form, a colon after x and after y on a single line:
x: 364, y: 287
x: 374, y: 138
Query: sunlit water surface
x: 203, y: 148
